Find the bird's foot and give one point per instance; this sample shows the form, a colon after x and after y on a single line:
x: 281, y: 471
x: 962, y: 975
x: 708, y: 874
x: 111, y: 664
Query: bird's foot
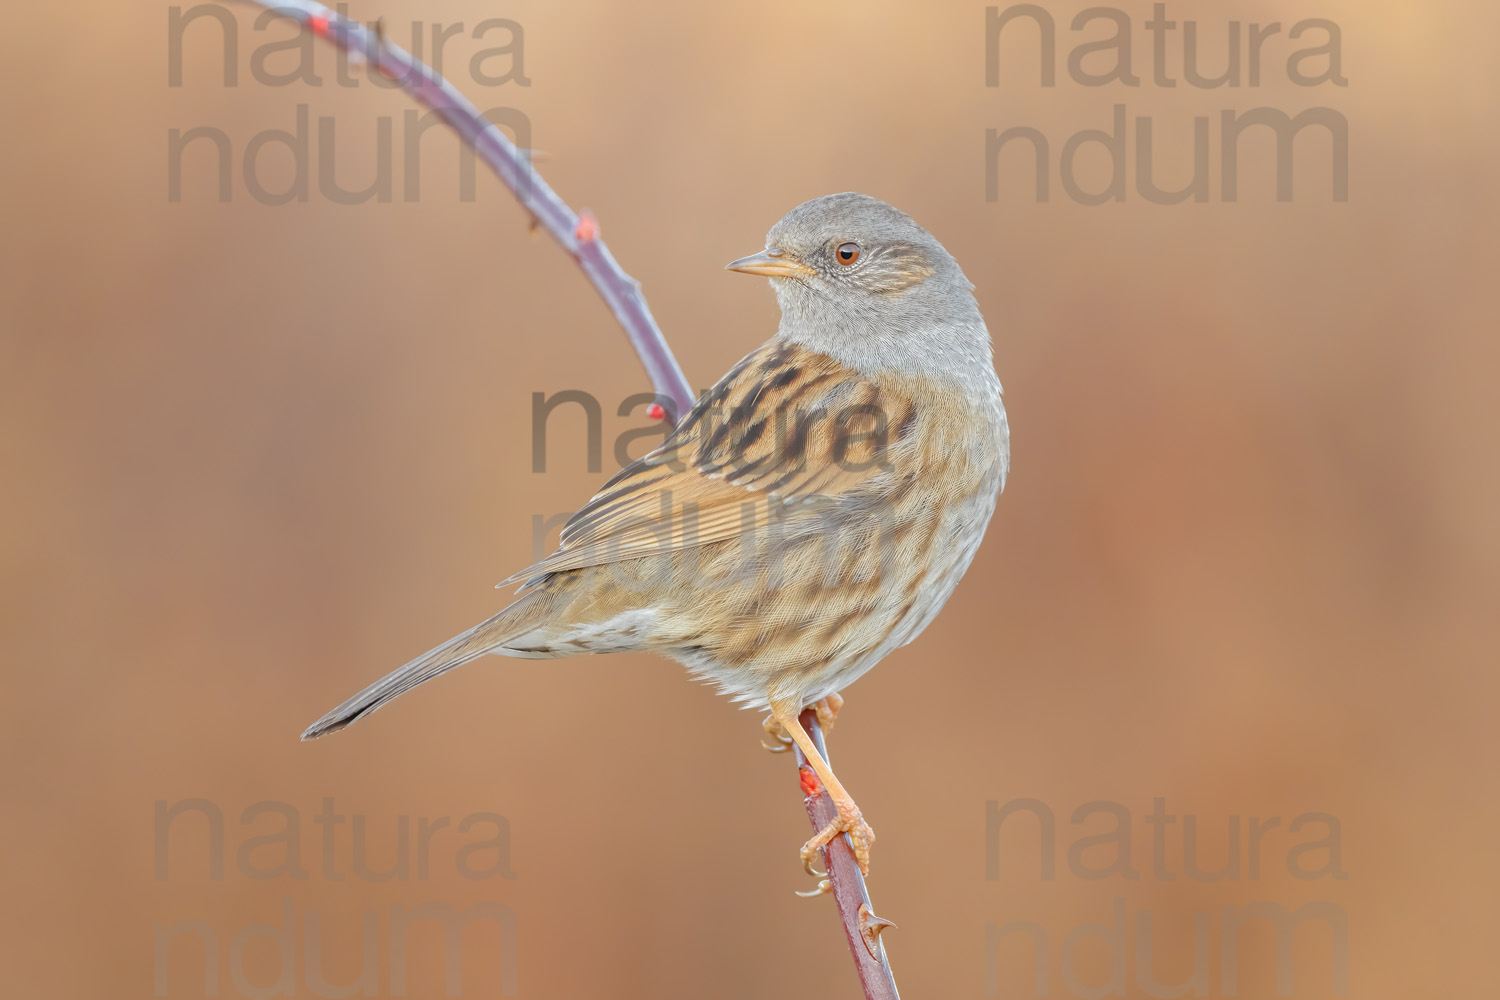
x: 773, y: 729
x: 848, y: 820
x: 828, y: 711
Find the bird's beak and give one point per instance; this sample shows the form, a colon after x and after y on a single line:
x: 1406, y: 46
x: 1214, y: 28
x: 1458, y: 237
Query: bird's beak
x: 772, y: 264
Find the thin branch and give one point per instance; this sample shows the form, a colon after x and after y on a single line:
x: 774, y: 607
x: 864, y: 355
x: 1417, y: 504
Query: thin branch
x: 861, y: 926
x: 579, y: 236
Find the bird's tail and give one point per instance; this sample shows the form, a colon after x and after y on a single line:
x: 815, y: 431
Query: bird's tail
x: 486, y: 637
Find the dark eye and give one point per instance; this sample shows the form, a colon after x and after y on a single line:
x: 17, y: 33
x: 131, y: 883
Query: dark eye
x: 847, y: 253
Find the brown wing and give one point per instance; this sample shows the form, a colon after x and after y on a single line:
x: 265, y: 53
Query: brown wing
x: 785, y: 425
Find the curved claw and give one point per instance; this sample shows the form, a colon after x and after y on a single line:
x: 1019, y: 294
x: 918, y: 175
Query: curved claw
x: 823, y: 888
x: 810, y: 852
x: 773, y: 729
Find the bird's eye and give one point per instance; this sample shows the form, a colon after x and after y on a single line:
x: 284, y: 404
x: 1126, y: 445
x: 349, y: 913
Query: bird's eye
x: 847, y: 253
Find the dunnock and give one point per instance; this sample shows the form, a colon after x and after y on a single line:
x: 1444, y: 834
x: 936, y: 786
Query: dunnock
x: 812, y: 512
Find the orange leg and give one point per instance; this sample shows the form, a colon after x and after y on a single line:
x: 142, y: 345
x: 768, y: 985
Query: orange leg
x: 849, y: 820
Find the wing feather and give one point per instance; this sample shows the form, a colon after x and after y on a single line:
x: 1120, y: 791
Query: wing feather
x: 785, y: 425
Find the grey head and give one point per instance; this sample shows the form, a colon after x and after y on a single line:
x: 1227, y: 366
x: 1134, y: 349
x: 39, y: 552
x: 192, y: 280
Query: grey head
x: 859, y: 280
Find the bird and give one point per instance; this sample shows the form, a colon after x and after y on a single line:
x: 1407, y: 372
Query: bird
x: 811, y: 512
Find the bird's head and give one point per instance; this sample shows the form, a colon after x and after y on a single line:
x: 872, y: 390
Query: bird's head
x: 859, y: 279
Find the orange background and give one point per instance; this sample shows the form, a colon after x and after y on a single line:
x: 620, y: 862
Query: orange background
x: 256, y: 456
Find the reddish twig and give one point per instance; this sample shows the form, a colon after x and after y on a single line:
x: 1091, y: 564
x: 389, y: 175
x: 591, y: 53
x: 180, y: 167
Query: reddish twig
x: 861, y: 926
x: 578, y: 234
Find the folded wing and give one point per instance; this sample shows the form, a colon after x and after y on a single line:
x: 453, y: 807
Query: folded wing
x: 785, y: 426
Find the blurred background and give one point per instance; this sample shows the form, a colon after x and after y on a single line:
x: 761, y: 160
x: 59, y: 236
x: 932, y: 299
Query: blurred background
x: 256, y: 455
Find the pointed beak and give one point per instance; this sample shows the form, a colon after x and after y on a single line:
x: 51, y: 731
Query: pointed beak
x: 771, y: 263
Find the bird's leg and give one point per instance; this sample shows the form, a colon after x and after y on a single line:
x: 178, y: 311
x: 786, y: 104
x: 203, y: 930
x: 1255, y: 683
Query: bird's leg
x: 773, y: 729
x: 848, y: 820
x: 828, y: 711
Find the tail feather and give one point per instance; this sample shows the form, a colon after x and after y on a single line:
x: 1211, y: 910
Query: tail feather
x: 486, y: 637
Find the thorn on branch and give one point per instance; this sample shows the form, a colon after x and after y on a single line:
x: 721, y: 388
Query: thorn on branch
x: 587, y: 230
x: 870, y: 928
x: 380, y: 49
